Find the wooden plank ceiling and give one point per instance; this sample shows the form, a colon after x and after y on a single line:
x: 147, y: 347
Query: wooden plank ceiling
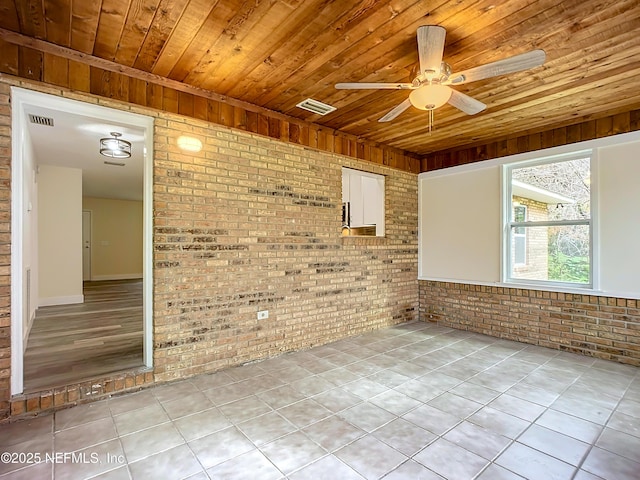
x: 276, y: 53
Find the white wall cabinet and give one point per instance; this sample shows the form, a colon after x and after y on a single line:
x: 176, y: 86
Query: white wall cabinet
x: 363, y: 199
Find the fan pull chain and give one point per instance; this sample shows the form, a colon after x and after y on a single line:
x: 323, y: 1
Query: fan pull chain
x: 430, y: 121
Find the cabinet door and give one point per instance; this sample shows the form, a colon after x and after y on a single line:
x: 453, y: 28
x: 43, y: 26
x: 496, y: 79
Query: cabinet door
x: 365, y: 193
x: 370, y: 197
x: 357, y: 200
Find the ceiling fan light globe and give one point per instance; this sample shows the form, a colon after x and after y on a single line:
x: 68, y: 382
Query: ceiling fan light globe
x: 429, y: 97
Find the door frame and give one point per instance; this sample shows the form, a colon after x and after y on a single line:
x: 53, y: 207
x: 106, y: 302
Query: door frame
x: 21, y: 98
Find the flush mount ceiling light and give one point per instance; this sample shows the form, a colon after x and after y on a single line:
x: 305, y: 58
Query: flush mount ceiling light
x: 114, y: 147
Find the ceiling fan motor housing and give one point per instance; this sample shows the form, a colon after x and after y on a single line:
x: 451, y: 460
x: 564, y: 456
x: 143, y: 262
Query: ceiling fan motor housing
x: 433, y: 76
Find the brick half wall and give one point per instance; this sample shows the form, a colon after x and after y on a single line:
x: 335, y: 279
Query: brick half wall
x: 603, y: 327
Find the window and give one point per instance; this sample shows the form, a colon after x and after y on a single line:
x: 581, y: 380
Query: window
x: 362, y: 203
x: 549, y: 227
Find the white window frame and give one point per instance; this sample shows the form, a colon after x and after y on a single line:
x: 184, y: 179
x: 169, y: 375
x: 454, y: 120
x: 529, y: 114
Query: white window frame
x: 508, y: 224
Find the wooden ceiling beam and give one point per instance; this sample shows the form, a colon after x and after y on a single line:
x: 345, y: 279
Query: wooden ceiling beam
x: 144, y: 88
x: 93, y: 61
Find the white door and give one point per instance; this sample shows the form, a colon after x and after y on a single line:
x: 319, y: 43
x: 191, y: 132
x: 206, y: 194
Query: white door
x: 86, y: 245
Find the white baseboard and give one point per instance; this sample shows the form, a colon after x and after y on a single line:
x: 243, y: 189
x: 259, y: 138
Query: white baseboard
x: 117, y: 276
x: 49, y: 301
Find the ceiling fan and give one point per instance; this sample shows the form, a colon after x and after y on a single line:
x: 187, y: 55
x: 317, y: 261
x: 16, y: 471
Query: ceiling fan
x: 431, y: 88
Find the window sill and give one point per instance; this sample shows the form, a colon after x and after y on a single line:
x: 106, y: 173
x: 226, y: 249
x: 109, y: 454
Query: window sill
x: 542, y: 288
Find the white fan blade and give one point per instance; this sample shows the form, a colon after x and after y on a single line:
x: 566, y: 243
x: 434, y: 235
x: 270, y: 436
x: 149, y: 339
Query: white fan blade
x: 463, y: 102
x: 374, y: 86
x: 396, y: 111
x: 524, y: 61
x: 430, y: 49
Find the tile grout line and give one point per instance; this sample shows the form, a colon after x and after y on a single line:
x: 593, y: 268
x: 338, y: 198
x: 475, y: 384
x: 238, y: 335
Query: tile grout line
x: 340, y: 354
x: 592, y: 445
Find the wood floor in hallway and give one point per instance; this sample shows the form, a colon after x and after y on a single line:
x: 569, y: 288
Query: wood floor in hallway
x: 71, y: 343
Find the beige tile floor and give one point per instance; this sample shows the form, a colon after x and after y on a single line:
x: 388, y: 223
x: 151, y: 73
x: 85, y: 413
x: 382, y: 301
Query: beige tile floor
x: 416, y: 401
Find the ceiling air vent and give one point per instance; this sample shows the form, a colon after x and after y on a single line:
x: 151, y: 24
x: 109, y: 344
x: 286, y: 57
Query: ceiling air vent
x: 39, y: 120
x: 315, y: 106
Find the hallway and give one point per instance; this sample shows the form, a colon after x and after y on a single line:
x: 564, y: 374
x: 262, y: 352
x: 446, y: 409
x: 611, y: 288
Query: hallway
x: 69, y: 343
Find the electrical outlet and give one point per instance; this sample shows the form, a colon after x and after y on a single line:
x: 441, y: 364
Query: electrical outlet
x: 263, y: 314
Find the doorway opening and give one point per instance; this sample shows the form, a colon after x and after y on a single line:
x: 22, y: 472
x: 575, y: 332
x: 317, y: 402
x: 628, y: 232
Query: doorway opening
x: 81, y: 260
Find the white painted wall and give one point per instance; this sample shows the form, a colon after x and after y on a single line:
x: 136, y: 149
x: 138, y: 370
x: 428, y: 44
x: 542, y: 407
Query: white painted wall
x: 619, y: 191
x: 460, y: 226
x: 460, y: 218
x: 117, y: 245
x: 29, y: 240
x: 59, y: 235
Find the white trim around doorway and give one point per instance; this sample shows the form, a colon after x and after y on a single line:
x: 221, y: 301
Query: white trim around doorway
x: 21, y: 98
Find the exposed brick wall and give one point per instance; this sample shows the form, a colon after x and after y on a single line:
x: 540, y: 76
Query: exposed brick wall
x: 252, y: 224
x: 5, y: 250
x: 602, y: 327
x: 33, y: 403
